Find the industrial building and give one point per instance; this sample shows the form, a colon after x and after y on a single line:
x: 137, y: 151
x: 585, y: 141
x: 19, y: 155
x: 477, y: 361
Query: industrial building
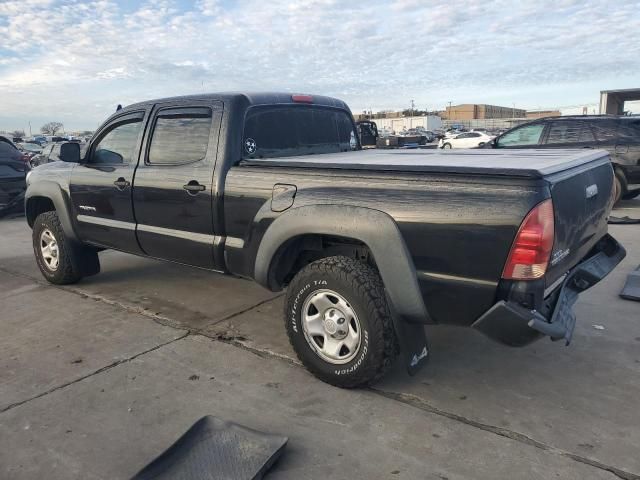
x: 612, y: 101
x: 533, y: 114
x: 473, y: 111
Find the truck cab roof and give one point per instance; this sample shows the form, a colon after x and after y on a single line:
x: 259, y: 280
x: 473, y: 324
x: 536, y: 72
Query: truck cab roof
x: 248, y: 99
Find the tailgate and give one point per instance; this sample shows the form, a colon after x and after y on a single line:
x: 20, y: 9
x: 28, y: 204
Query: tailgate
x: 582, y: 200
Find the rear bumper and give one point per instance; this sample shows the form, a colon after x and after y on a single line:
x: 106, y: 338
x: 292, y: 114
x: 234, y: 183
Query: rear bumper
x: 515, y: 323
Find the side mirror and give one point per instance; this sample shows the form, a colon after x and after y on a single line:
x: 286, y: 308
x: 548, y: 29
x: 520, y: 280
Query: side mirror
x: 70, y: 152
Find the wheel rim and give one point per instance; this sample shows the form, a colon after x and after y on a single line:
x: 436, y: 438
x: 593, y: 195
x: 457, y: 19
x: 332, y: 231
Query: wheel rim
x: 49, y: 249
x: 331, y: 326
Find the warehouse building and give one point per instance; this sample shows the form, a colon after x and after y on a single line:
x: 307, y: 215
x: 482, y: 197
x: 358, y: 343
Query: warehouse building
x: 533, y: 114
x: 612, y: 101
x: 474, y: 111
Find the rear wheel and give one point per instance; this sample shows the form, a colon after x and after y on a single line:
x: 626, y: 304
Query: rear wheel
x: 338, y: 322
x: 619, y: 185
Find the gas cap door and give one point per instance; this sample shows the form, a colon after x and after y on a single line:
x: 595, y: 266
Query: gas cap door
x: 282, y: 196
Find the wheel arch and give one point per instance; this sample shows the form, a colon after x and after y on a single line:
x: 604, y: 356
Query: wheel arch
x: 363, y: 230
x: 45, y: 197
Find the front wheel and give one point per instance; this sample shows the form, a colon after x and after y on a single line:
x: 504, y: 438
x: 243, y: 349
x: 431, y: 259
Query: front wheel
x: 60, y: 261
x: 338, y: 322
x: 619, y: 185
x: 446, y: 145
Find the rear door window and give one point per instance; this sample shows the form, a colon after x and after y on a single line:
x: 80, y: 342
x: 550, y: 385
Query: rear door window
x: 527, y: 135
x: 629, y: 130
x: 180, y: 136
x: 271, y: 132
x: 567, y: 132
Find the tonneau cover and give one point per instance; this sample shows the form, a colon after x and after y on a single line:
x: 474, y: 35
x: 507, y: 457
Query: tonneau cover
x: 516, y: 163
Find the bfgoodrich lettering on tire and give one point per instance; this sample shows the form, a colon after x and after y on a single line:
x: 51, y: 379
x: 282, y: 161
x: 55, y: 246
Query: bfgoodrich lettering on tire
x: 338, y: 322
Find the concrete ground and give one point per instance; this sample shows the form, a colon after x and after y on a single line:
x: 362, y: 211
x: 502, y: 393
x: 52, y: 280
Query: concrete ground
x: 98, y: 378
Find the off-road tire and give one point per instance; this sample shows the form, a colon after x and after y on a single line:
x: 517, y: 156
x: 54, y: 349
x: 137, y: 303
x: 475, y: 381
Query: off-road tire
x: 70, y: 257
x: 362, y: 287
x: 619, y: 185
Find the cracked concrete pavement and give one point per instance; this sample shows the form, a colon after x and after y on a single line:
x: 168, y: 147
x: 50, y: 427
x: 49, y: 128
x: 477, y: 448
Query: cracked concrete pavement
x: 95, y: 382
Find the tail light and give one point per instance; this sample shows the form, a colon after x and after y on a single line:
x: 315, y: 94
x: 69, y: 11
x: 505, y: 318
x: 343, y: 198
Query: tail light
x: 531, y: 249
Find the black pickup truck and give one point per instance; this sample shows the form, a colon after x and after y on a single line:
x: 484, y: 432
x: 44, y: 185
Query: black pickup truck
x: 370, y: 244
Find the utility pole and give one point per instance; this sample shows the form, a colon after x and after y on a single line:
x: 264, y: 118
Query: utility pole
x: 513, y: 111
x: 413, y: 104
x: 30, y: 134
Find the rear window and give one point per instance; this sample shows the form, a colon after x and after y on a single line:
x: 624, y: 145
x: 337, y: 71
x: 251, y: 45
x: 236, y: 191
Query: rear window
x: 299, y: 130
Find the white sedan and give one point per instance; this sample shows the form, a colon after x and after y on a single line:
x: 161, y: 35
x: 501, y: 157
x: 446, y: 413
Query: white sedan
x: 466, y: 140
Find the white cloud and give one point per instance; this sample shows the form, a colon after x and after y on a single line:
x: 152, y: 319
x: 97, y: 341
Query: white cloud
x: 68, y: 56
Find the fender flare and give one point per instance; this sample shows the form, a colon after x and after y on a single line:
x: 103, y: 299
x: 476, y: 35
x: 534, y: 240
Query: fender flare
x: 377, y: 230
x: 53, y: 192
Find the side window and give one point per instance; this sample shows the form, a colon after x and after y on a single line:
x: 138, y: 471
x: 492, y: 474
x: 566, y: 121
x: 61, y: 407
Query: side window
x: 522, y: 136
x: 180, y: 136
x: 606, y: 130
x: 118, y: 145
x: 564, y: 132
x: 473, y: 135
x: 628, y: 130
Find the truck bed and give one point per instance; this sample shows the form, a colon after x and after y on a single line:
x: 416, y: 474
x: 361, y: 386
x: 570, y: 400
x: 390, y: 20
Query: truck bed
x: 513, y: 163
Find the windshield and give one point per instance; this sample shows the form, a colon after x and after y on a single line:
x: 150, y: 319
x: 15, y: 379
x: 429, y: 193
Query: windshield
x: 284, y: 131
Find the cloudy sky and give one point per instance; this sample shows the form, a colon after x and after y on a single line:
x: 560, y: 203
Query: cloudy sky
x: 74, y: 61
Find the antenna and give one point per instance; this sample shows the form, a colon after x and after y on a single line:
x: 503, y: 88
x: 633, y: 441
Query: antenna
x: 118, y: 108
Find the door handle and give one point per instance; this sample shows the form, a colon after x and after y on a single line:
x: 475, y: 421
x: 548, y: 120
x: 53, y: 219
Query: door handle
x: 121, y: 183
x: 193, y: 187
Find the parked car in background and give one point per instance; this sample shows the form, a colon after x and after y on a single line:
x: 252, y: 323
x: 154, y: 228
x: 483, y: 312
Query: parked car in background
x: 30, y: 149
x: 439, y: 133
x: 13, y: 171
x: 430, y: 136
x: 39, y: 139
x: 466, y: 140
x: 620, y: 136
x: 50, y: 153
x: 368, y: 132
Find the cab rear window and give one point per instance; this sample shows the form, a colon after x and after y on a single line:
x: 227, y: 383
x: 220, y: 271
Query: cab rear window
x: 285, y: 131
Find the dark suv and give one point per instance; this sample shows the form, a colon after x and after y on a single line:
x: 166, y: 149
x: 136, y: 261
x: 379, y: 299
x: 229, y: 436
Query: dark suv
x: 619, y: 135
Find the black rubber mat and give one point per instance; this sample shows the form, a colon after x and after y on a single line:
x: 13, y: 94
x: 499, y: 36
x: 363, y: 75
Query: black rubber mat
x: 623, y: 220
x: 631, y: 290
x: 213, y: 449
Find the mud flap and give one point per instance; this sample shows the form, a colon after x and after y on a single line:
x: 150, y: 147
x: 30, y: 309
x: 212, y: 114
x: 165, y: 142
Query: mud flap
x: 414, y: 346
x: 631, y: 290
x: 215, y: 449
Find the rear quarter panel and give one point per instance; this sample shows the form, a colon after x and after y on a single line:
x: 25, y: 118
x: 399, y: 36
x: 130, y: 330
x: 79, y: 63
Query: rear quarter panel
x: 458, y: 230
